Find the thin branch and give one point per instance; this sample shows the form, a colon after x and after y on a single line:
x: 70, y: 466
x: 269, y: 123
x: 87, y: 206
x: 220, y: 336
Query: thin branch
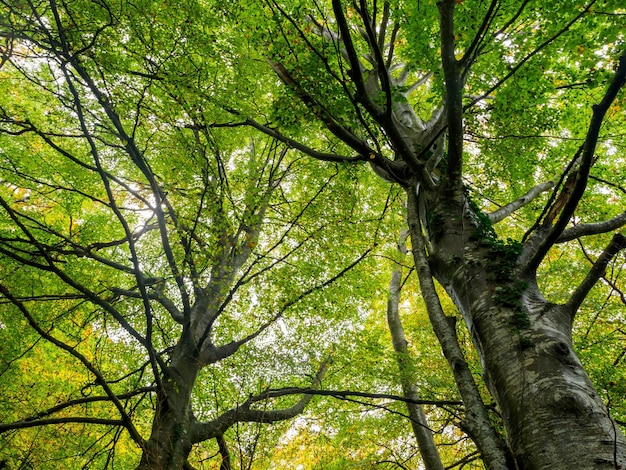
x: 609, y: 183
x: 599, y: 112
x: 549, y: 210
x: 125, y: 421
x: 39, y: 417
x: 325, y: 32
x: 339, y: 131
x: 281, y: 392
x: 419, y: 422
x: 137, y: 158
x: 80, y: 113
x: 53, y: 421
x: 214, y: 354
x: 617, y: 244
x: 381, y: 115
x: 537, y: 50
x: 384, y: 22
x: 474, y: 48
x: 512, y: 20
x: 353, y: 59
x: 323, y: 156
x: 584, y: 230
x: 155, y: 294
x: 498, y: 215
x: 247, y: 276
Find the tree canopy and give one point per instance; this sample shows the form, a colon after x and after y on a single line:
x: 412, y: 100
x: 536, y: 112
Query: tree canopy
x: 294, y: 234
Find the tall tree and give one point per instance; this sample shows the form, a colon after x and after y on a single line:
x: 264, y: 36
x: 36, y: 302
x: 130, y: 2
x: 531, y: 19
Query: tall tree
x: 135, y: 113
x: 432, y: 96
x: 134, y: 229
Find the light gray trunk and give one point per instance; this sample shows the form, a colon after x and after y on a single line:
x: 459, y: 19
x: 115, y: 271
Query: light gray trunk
x: 553, y: 416
x: 419, y: 423
x: 476, y: 421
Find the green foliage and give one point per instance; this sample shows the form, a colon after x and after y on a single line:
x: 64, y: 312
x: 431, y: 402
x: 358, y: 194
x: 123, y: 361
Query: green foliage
x: 131, y: 180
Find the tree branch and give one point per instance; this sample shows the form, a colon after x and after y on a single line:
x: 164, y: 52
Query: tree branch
x: 454, y: 93
x: 133, y: 152
x: 419, y: 422
x: 40, y: 418
x: 224, y: 452
x: 539, y: 48
x: 136, y: 156
x: 382, y: 115
x: 323, y: 156
x: 125, y: 421
x: 474, y: 49
x: 52, y: 421
x: 214, y: 354
x: 353, y: 60
x: 281, y: 392
x: 499, y: 214
x: 381, y: 69
x: 339, y: 131
x: 586, y: 160
x: 584, y: 230
x: 617, y: 244
x: 157, y: 295
x: 244, y: 412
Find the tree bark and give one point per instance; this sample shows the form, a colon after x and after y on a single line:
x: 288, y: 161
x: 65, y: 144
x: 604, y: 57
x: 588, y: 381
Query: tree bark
x: 419, y: 423
x: 476, y: 421
x: 170, y: 441
x: 553, y: 416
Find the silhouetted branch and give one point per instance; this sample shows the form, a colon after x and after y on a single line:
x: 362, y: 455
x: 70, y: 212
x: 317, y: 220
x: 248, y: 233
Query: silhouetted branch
x: 67, y: 420
x: 125, y: 421
x: 454, y: 92
x: 617, y: 244
x: 224, y: 452
x: 582, y: 173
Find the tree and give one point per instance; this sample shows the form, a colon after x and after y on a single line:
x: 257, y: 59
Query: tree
x: 472, y: 110
x: 422, y: 92
x: 143, y: 246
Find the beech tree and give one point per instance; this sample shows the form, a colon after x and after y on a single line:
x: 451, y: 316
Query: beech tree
x: 143, y: 246
x: 179, y: 180
x: 421, y: 92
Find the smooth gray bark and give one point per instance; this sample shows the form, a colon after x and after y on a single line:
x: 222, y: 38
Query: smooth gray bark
x: 476, y: 421
x: 553, y: 415
x: 419, y: 423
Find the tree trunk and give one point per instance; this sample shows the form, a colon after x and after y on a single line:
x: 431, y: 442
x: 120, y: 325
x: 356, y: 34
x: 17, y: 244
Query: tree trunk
x: 419, y: 423
x: 169, y: 444
x: 553, y: 416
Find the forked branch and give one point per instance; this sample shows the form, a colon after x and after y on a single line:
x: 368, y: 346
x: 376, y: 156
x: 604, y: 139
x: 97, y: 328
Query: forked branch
x: 246, y: 413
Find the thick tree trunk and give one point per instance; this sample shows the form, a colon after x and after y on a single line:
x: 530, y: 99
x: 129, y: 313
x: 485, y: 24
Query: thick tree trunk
x: 169, y: 444
x: 553, y: 416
